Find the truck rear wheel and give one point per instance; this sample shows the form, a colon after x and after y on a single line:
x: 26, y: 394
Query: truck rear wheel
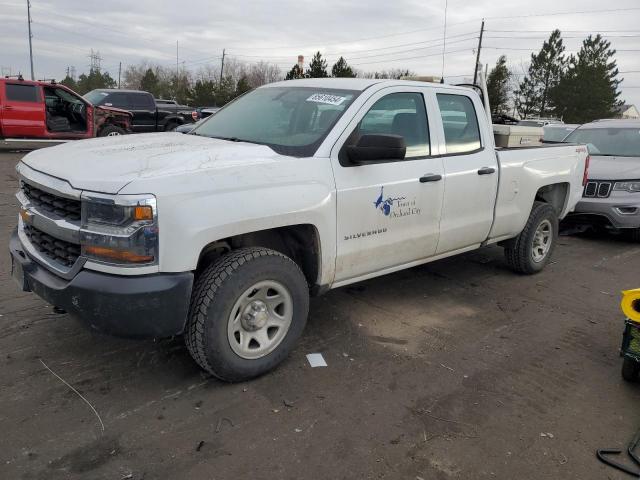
x: 171, y: 126
x: 248, y: 309
x: 530, y: 251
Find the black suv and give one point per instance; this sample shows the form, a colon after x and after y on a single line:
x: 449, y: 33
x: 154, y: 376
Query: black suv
x: 148, y: 116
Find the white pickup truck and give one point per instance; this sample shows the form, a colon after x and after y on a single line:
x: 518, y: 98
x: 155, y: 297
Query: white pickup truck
x: 293, y: 189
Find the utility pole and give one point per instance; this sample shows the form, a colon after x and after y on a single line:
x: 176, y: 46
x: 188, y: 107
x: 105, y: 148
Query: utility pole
x: 119, y: 72
x: 222, y: 66
x: 177, y: 71
x: 475, y: 70
x: 30, y: 37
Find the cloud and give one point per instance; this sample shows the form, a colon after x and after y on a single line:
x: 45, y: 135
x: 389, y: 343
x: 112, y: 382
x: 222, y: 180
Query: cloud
x: 373, y: 33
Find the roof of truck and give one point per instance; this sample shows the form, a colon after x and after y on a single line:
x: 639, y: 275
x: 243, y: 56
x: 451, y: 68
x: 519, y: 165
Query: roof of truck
x: 350, y: 83
x: 121, y: 90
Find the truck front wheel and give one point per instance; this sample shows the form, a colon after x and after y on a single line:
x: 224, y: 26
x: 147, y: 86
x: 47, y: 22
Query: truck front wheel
x: 111, y: 131
x: 248, y: 309
x: 530, y: 251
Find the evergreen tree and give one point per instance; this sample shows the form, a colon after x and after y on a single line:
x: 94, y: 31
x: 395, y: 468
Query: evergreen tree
x: 95, y: 79
x: 69, y: 83
x: 242, y: 86
x: 225, y: 91
x: 180, y: 87
x: 317, y: 67
x: 589, y: 88
x: 545, y: 70
x: 498, y: 86
x: 149, y: 83
x: 203, y: 93
x: 342, y: 69
x: 295, y: 73
x: 525, y: 98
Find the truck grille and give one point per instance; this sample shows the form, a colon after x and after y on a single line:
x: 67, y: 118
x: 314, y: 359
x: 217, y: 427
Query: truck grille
x: 66, y: 208
x: 62, y: 252
x: 597, y: 189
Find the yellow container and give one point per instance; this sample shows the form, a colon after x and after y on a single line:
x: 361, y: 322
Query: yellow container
x: 630, y: 304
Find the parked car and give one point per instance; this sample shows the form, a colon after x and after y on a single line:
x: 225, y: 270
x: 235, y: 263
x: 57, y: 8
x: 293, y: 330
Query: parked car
x: 204, y: 112
x: 611, y: 197
x: 557, y: 132
x: 36, y: 114
x: 147, y: 115
x: 292, y: 189
x: 188, y: 127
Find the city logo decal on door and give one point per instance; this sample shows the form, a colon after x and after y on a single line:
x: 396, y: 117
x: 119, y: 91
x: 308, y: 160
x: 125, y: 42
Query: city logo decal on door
x: 396, y: 207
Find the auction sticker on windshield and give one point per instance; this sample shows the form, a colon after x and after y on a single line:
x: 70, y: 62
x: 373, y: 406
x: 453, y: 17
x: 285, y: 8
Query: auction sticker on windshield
x: 326, y: 98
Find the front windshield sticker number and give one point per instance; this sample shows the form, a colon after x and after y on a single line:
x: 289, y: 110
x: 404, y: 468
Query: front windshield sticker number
x: 326, y: 98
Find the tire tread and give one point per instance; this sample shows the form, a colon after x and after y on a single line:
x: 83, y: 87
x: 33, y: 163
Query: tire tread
x: 517, y: 253
x: 204, y: 293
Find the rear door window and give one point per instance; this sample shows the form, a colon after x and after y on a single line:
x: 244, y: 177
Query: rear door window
x: 142, y: 101
x: 22, y: 93
x: 460, y: 122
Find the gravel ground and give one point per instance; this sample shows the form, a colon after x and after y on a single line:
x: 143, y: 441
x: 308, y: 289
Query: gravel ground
x: 456, y: 369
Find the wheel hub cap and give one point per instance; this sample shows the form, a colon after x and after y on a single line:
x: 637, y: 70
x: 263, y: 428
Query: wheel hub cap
x: 255, y: 316
x: 542, y: 241
x: 260, y: 319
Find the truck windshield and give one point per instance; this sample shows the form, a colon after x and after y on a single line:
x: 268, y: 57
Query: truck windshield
x: 608, y: 142
x: 291, y: 120
x: 95, y: 96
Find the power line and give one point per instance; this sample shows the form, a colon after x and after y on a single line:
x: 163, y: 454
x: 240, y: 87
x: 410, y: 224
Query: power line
x: 564, y: 36
x: 411, y: 58
x: 563, y: 31
x: 537, y: 47
x: 554, y: 14
x: 471, y: 35
x: 335, y: 55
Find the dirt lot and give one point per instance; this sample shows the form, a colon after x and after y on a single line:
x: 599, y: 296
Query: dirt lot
x: 457, y: 369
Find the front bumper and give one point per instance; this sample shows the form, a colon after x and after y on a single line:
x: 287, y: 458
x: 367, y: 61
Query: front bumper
x: 145, y: 306
x: 617, y: 209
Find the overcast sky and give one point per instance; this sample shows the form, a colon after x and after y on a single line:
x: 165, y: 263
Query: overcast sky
x: 372, y: 35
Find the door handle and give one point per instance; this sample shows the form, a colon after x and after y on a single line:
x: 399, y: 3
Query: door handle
x: 430, y: 177
x: 486, y: 171
x: 8, y: 107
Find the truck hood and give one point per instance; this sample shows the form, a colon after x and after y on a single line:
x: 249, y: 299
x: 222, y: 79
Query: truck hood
x: 614, y: 168
x: 108, y: 164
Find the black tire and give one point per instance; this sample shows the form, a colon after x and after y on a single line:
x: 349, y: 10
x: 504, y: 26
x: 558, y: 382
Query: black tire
x: 171, y: 126
x: 111, y: 130
x: 519, y: 251
x: 215, y: 293
x: 635, y: 235
x: 630, y: 370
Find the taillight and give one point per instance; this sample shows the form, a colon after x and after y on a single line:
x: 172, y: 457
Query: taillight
x: 585, y: 176
x: 194, y: 115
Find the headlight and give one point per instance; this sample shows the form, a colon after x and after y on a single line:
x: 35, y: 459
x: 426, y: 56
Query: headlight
x: 631, y: 187
x: 119, y: 229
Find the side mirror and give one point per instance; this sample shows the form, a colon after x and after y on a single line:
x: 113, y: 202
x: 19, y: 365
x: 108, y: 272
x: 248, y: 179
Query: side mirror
x: 377, y: 148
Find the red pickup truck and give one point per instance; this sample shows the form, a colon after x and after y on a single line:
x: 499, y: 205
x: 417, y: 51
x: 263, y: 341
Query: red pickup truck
x: 36, y: 114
